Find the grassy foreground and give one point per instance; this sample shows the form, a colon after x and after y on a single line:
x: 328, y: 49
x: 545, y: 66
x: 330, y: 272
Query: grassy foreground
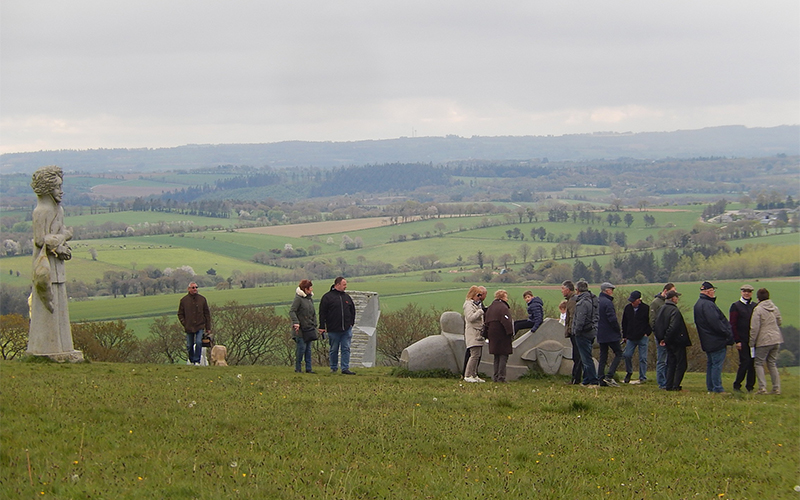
x: 150, y: 431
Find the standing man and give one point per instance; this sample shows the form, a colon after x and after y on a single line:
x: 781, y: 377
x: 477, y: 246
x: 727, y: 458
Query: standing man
x: 671, y: 327
x: 661, y: 351
x: 568, y: 291
x: 715, y: 335
x: 608, y: 335
x: 337, y: 315
x: 636, y: 330
x: 195, y: 317
x: 740, y: 314
x: 584, y: 329
x: 535, y: 313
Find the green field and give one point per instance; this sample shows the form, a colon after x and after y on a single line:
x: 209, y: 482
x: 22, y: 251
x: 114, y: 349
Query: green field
x: 101, y: 430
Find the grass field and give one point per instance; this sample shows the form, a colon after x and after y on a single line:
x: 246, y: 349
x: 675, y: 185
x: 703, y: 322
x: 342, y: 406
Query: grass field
x: 151, y: 431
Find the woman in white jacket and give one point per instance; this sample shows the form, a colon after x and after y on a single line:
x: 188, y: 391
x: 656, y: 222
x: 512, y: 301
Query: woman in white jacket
x: 473, y: 328
x: 765, y: 335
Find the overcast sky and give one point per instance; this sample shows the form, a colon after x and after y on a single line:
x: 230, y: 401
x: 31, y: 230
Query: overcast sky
x: 83, y: 74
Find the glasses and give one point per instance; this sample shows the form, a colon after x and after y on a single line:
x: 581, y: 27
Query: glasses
x: 193, y: 287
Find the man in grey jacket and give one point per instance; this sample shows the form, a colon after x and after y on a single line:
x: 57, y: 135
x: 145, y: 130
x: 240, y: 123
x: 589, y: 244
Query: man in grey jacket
x: 661, y: 351
x: 584, y: 329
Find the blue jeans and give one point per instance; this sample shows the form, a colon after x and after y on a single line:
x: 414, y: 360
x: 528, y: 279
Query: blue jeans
x: 340, y: 340
x: 302, y: 349
x: 194, y: 346
x: 585, y: 350
x: 631, y: 346
x: 714, y: 370
x: 661, y: 365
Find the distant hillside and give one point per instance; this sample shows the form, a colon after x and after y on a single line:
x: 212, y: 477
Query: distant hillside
x: 729, y: 141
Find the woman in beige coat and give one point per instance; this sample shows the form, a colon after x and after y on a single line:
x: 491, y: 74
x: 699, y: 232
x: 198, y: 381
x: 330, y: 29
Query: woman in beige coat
x: 765, y: 335
x: 473, y: 327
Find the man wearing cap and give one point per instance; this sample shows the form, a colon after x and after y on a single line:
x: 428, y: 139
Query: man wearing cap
x: 636, y: 330
x: 661, y: 351
x: 740, y: 314
x: 608, y: 335
x: 715, y: 335
x: 671, y: 329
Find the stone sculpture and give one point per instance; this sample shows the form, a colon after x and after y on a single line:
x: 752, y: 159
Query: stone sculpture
x: 546, y: 350
x: 364, y: 347
x: 50, y: 334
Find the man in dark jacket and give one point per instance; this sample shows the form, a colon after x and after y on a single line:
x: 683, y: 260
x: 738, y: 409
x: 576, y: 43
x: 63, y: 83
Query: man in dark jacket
x: 568, y: 291
x: 195, y: 317
x: 608, y: 335
x: 671, y: 327
x: 636, y: 331
x: 740, y: 314
x: 661, y: 351
x: 715, y: 335
x: 535, y: 313
x: 584, y: 329
x: 337, y: 315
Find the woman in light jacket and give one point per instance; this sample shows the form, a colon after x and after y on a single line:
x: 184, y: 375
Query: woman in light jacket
x: 501, y: 333
x: 473, y: 329
x: 304, y: 324
x: 765, y: 335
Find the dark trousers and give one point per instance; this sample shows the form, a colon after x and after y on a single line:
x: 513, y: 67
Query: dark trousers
x: 577, y: 365
x: 604, y: 347
x: 746, y: 370
x: 522, y: 324
x: 676, y: 367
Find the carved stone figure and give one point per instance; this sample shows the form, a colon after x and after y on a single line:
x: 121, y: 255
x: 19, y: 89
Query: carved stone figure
x: 50, y: 334
x: 546, y: 349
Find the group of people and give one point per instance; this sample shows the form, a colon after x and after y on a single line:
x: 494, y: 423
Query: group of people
x: 337, y: 315
x: 494, y: 323
x: 753, y: 327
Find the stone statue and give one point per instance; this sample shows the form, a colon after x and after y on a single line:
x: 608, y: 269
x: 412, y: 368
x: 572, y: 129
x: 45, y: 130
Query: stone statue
x: 545, y: 350
x: 50, y: 333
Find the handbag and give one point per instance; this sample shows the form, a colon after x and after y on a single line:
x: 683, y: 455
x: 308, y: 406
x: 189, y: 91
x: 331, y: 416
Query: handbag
x: 309, y: 334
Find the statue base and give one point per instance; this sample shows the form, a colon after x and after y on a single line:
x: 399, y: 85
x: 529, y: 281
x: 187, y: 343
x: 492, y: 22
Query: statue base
x: 61, y: 357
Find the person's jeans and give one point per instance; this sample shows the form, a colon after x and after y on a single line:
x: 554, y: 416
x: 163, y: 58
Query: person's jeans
x: 661, y: 365
x: 747, y: 370
x: 676, y: 367
x: 340, y: 340
x: 585, y: 350
x: 522, y: 324
x: 471, y: 369
x: 630, y: 347
x: 194, y: 346
x: 715, y: 360
x: 768, y: 354
x: 302, y: 349
x: 604, y: 347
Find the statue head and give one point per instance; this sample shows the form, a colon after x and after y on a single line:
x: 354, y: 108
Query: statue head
x: 48, y: 180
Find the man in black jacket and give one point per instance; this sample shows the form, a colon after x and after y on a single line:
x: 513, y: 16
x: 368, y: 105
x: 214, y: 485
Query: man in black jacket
x: 636, y: 331
x: 671, y: 328
x: 715, y: 335
x: 337, y: 315
x: 740, y: 314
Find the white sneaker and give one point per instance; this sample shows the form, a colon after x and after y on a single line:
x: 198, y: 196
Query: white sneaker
x: 472, y: 379
x: 635, y: 382
x: 478, y: 379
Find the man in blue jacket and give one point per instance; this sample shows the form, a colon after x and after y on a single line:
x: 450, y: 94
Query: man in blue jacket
x: 608, y: 335
x: 535, y: 313
x: 337, y: 315
x: 715, y: 334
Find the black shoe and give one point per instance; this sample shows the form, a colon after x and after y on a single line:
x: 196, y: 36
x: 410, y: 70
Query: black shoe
x: 310, y: 371
x: 627, y: 378
x: 348, y: 372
